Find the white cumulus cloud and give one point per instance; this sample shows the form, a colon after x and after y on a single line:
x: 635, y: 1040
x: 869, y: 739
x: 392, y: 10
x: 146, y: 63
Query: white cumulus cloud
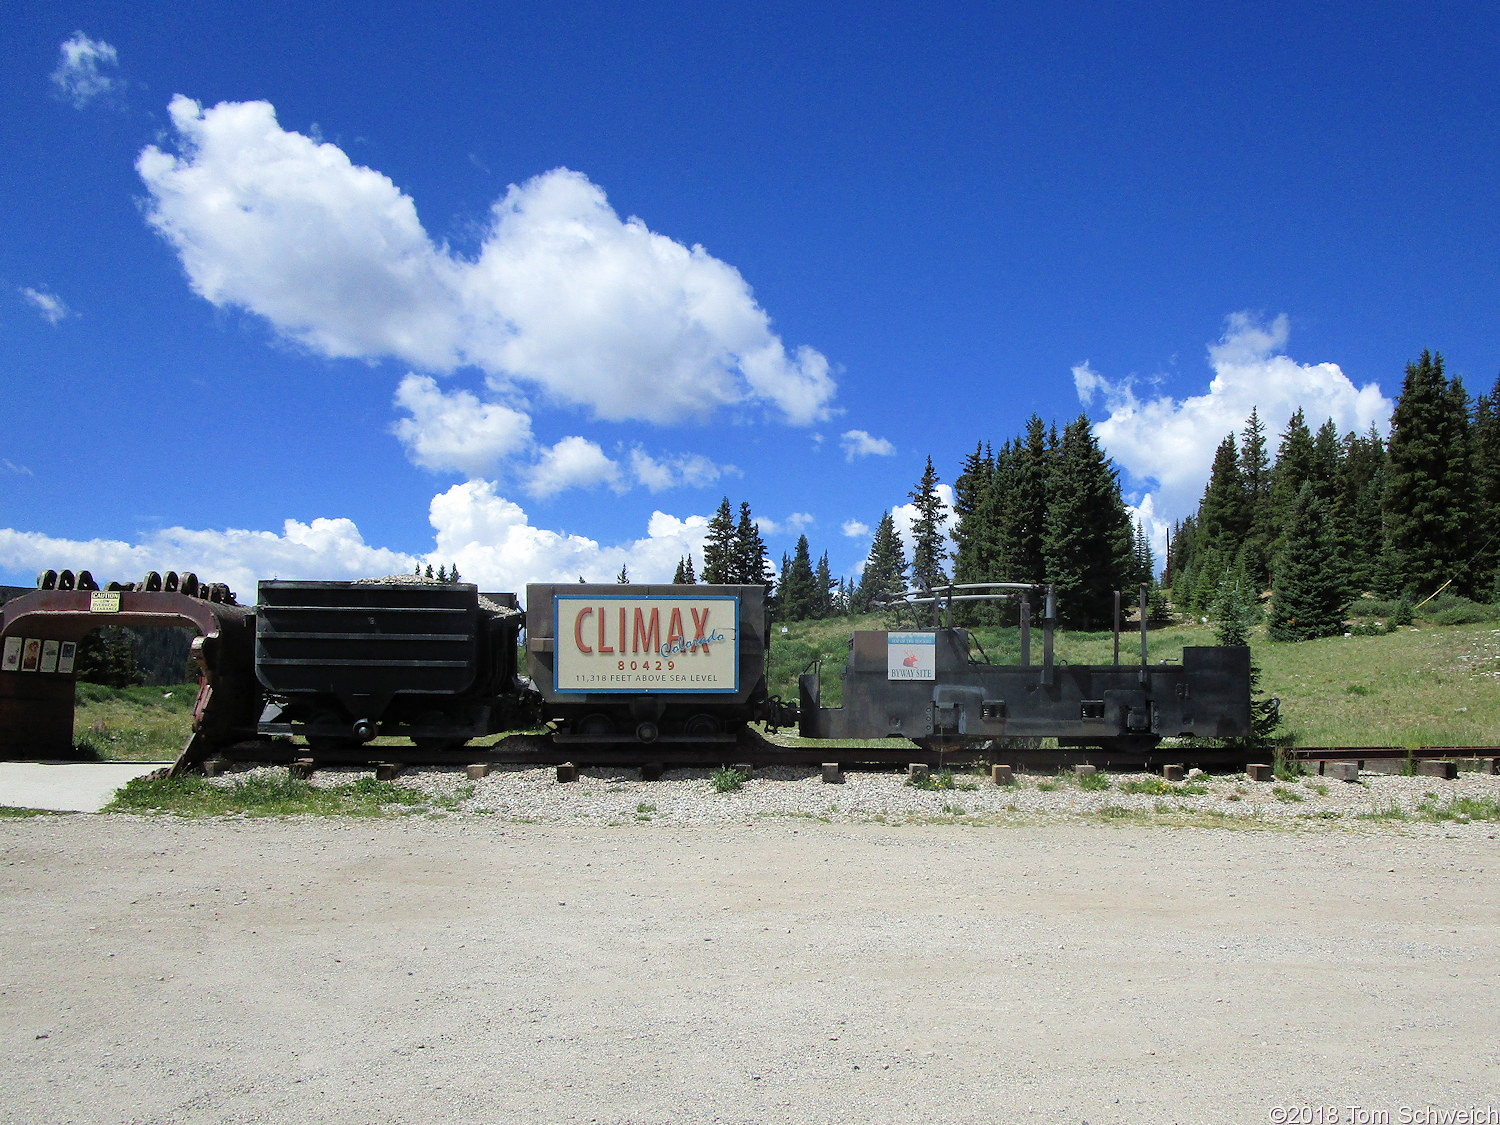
x: 49, y: 304
x: 322, y: 549
x: 455, y: 430
x: 494, y: 543
x: 858, y: 443
x: 1167, y: 445
x: 563, y: 296
x: 854, y: 528
x: 80, y: 69
x: 691, y: 470
x: 574, y: 462
x: 488, y: 536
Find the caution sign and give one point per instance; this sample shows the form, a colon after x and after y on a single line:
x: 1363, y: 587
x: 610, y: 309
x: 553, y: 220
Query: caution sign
x: 635, y: 643
x: 911, y: 656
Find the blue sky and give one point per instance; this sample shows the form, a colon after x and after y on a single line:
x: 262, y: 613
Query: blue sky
x: 530, y: 287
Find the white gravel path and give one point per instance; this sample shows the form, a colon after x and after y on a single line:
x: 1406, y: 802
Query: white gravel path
x: 470, y: 967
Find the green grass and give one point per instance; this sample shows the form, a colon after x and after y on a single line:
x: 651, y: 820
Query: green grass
x: 260, y: 795
x: 1462, y: 809
x: 134, y: 724
x: 1159, y: 787
x: 1093, y: 782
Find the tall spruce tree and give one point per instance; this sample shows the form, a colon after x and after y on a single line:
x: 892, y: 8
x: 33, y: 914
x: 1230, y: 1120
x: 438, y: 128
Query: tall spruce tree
x: 823, y: 589
x: 884, y: 577
x: 1224, y: 514
x: 1026, y: 518
x: 1486, y: 508
x: 1356, y: 509
x: 750, y: 565
x: 718, y: 547
x: 969, y: 533
x: 929, y: 541
x: 1294, y: 462
x: 798, y: 592
x: 1255, y: 470
x: 1089, y: 543
x: 1429, y: 483
x: 1310, y: 598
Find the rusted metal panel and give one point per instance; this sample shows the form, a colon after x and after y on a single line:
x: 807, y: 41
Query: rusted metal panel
x: 227, y: 700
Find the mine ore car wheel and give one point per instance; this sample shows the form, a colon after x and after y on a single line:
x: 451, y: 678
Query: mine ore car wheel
x: 595, y: 725
x: 702, y: 726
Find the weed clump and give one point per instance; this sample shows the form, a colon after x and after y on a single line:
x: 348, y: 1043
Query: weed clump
x: 726, y: 779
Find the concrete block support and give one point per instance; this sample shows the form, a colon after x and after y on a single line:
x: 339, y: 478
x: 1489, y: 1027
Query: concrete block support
x: 746, y: 769
x: 477, y: 770
x: 1002, y: 775
x: 652, y: 771
x: 301, y: 769
x: 387, y: 771
x: 567, y: 772
x: 1083, y: 770
x: 1172, y: 773
x: 1342, y: 771
x: 1438, y: 767
x: 918, y: 771
x: 831, y: 773
x: 1260, y: 771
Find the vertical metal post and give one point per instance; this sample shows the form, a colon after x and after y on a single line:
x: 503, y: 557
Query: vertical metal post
x: 1025, y: 630
x: 1143, y: 633
x: 1049, y: 619
x: 1117, y: 628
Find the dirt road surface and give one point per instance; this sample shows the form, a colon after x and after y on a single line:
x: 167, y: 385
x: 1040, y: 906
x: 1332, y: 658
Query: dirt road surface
x: 165, y: 970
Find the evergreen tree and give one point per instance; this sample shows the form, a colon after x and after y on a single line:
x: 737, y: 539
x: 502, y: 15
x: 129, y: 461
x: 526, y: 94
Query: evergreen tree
x: 429, y: 570
x: 1310, y: 598
x: 718, y: 547
x: 106, y: 656
x: 688, y: 577
x: 749, y: 561
x: 1294, y: 461
x: 1327, y: 459
x: 823, y: 589
x: 442, y: 573
x: 1089, y: 543
x: 1486, y: 507
x: 1429, y: 483
x: 623, y: 578
x: 1255, y: 471
x: 929, y: 542
x: 1356, y: 510
x: 1234, y: 611
x: 970, y: 491
x: 453, y: 573
x: 798, y: 591
x: 1224, y: 514
x: 1026, y: 519
x: 884, y: 577
x: 679, y: 576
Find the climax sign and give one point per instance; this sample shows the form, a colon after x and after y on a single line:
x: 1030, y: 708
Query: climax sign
x: 635, y: 643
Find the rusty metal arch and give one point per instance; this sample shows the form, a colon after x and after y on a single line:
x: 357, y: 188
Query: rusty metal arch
x: 40, y: 706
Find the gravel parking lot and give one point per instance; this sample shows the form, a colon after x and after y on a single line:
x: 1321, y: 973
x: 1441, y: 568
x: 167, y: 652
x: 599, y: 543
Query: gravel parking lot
x: 771, y: 968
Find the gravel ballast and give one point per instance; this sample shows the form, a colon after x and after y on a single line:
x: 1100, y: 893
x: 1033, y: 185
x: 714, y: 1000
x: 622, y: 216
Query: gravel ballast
x: 687, y: 797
